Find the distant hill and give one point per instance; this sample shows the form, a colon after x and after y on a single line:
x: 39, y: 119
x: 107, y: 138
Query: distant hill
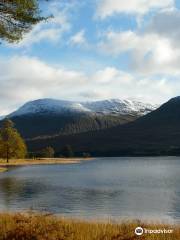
x: 47, y: 118
x: 153, y: 134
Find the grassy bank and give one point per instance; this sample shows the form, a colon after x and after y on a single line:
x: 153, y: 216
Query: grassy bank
x: 3, y: 169
x: 45, y: 161
x: 43, y: 227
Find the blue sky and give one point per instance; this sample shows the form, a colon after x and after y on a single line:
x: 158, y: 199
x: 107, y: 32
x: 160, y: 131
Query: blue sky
x: 95, y: 49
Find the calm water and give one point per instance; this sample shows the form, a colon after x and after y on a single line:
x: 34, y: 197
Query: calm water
x: 103, y: 188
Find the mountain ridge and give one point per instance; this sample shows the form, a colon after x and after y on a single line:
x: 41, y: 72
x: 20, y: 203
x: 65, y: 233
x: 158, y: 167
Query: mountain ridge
x: 110, y: 106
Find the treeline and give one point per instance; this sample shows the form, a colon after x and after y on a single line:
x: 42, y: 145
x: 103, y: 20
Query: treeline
x: 66, y: 152
x: 12, y: 145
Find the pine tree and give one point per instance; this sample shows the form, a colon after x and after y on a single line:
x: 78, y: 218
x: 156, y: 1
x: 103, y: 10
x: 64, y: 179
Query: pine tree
x: 11, y: 143
x: 17, y: 17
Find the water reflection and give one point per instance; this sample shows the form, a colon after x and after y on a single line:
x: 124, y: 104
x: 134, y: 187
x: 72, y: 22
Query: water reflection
x: 13, y: 190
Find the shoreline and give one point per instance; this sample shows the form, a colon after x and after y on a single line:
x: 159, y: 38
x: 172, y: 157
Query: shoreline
x: 3, y: 169
x: 40, y: 161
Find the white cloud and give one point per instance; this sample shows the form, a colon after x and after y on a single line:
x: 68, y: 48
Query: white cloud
x: 79, y: 38
x: 153, y: 50
x: 37, y: 79
x: 150, y: 52
x: 107, y: 8
x: 110, y: 75
x: 165, y: 23
x: 118, y: 42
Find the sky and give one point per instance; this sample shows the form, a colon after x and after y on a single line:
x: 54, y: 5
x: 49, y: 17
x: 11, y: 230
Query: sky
x: 93, y: 50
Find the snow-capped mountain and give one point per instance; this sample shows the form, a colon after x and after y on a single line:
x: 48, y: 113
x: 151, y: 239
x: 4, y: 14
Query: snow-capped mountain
x: 155, y: 134
x: 49, y: 117
x: 105, y: 107
x: 48, y: 106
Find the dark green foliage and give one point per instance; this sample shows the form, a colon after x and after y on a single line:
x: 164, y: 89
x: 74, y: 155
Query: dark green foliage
x: 67, y: 151
x: 47, y: 152
x: 49, y: 125
x: 11, y: 143
x: 17, y: 17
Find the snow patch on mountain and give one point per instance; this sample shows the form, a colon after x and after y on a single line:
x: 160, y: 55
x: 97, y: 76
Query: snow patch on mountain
x: 118, y: 106
x: 112, y: 106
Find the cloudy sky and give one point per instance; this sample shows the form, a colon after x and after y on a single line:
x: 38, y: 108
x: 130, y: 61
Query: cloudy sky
x: 95, y: 49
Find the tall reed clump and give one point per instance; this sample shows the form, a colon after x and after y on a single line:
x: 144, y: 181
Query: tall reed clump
x: 43, y: 227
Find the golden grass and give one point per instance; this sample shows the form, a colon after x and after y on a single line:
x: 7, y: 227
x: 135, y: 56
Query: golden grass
x: 44, y: 161
x: 43, y: 227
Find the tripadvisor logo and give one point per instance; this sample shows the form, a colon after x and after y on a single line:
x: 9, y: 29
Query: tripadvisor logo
x: 140, y: 231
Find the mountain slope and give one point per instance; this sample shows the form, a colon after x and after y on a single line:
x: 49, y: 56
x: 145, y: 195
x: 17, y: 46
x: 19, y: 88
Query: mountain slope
x: 153, y: 134
x: 48, y: 117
